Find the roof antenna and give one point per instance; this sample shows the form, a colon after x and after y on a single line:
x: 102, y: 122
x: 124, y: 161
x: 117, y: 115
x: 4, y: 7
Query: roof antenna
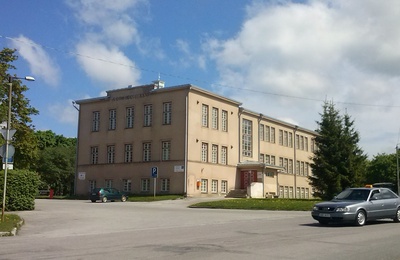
x: 159, y: 83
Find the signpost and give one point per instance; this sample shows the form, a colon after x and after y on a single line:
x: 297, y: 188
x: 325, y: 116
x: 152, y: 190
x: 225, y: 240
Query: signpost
x: 154, y: 175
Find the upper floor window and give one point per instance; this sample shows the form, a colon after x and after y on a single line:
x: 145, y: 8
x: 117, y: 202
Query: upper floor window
x: 128, y: 153
x: 247, y: 137
x: 130, y: 113
x: 96, y: 121
x: 224, y: 121
x: 214, y: 153
x: 148, y: 114
x: 214, y: 120
x: 167, y: 112
x: 166, y: 150
x: 261, y: 133
x: 272, y: 135
x: 112, y: 119
x: 224, y: 155
x: 110, y: 154
x: 204, y: 115
x: 146, y: 152
x: 94, y: 155
x: 204, y: 152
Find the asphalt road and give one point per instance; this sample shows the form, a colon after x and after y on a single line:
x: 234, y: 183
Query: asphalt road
x: 60, y: 229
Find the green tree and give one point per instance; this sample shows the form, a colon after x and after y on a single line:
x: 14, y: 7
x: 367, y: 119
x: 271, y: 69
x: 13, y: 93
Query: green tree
x: 382, y: 168
x: 24, y: 141
x: 338, y: 162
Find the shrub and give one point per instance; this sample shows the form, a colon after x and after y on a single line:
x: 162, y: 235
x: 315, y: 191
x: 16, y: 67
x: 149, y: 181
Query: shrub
x: 22, y: 187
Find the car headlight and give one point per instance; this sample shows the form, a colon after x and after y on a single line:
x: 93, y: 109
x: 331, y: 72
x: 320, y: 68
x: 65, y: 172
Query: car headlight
x: 342, y: 209
x: 315, y: 208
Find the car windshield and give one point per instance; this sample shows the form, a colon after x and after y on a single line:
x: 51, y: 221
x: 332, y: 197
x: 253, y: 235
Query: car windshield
x: 353, y: 194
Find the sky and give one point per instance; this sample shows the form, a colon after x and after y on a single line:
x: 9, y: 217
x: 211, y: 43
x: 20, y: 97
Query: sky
x: 283, y: 59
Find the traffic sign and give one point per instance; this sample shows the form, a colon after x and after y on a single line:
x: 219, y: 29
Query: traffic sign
x: 11, y: 150
x: 10, y: 133
x: 154, y: 172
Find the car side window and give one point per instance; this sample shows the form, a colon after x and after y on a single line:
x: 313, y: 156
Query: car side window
x: 387, y: 194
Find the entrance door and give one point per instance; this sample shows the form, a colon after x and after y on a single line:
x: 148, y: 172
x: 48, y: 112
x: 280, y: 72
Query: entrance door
x: 247, y: 177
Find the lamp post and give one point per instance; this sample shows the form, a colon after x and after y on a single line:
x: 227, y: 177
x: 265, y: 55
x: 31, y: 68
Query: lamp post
x: 10, y: 80
x: 397, y: 162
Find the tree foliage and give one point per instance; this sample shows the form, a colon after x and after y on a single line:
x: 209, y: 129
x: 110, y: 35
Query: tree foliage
x: 382, y: 168
x: 338, y: 162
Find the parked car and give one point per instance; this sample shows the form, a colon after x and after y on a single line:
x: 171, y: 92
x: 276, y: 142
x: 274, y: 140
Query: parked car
x: 359, y: 205
x: 106, y: 194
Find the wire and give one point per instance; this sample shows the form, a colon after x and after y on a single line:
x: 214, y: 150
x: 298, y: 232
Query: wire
x: 191, y: 79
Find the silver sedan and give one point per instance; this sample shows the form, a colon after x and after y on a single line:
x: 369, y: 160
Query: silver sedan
x: 359, y: 205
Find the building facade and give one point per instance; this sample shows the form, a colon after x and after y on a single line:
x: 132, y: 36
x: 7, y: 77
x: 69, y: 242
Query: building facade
x: 182, y: 139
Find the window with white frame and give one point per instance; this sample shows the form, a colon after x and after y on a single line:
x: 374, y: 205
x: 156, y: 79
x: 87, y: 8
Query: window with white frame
x: 94, y: 155
x: 306, y: 169
x: 306, y: 144
x: 148, y: 115
x: 285, y: 138
x: 285, y: 164
x: 214, y: 153
x: 224, y: 186
x: 92, y: 185
x: 267, y: 133
x: 224, y: 121
x: 204, y: 115
x: 224, y: 155
x: 267, y: 159
x: 261, y: 158
x: 297, y: 167
x: 145, y: 185
x: 166, y: 150
x: 204, y: 186
x: 290, y: 166
x: 146, y: 152
x: 128, y: 153
x: 272, y: 135
x: 112, y: 119
x: 273, y: 162
x: 96, y: 121
x: 110, y: 154
x: 127, y: 185
x: 214, y: 186
x: 214, y: 118
x: 167, y: 113
x: 291, y: 192
x: 280, y: 137
x: 130, y: 116
x: 290, y: 141
x: 247, y: 137
x: 204, y: 152
x: 261, y: 132
x: 165, y: 183
x: 108, y: 183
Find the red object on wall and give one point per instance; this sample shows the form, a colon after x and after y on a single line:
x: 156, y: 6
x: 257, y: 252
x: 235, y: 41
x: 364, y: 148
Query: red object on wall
x: 51, y: 193
x: 247, y: 177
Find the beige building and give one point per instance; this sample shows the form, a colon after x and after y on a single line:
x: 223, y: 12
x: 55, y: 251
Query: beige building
x: 186, y: 140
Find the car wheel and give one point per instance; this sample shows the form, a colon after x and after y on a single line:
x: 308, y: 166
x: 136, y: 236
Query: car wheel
x: 93, y: 200
x: 123, y: 198
x: 397, y: 217
x: 104, y: 199
x: 323, y: 222
x: 361, y: 218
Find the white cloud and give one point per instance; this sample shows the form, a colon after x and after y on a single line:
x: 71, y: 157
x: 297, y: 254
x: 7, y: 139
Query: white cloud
x: 64, y: 112
x: 345, y: 51
x: 40, y: 63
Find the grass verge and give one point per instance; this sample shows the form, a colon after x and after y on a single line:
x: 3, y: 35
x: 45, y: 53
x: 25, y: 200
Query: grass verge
x: 11, y: 221
x: 259, y: 204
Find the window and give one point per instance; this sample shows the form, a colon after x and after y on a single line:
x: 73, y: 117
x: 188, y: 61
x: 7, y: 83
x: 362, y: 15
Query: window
x: 267, y: 159
x: 301, y: 142
x: 108, y: 183
x: 273, y: 160
x: 290, y: 166
x: 285, y: 164
x: 110, y: 154
x: 297, y: 167
x: 128, y: 153
x: 285, y: 138
x: 214, y: 186
x: 272, y: 135
x: 146, y: 152
x: 214, y: 119
x: 166, y: 150
x: 130, y: 113
x: 291, y: 192
x: 167, y: 112
x: 204, y: 186
x: 148, y: 113
x: 214, y: 153
x: 297, y: 141
x: 96, y: 121
x: 204, y: 116
x: 281, y: 161
x: 112, y: 122
x: 280, y: 137
x: 145, y: 185
x: 302, y: 168
x: 261, y: 133
x: 224, y: 121
x: 290, y: 141
x: 224, y: 155
x: 94, y: 155
x: 306, y: 167
x: 127, y: 185
x: 224, y: 186
x: 247, y: 138
x: 164, y: 185
x: 261, y: 158
x: 204, y: 152
x: 306, y: 143
x: 267, y: 134
x: 92, y: 184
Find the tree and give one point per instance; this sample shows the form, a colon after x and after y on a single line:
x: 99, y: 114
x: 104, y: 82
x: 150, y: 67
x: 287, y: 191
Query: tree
x: 338, y: 162
x: 382, y: 168
x: 24, y: 141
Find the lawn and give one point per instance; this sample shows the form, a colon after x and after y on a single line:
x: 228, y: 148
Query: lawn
x: 259, y: 204
x: 10, y: 221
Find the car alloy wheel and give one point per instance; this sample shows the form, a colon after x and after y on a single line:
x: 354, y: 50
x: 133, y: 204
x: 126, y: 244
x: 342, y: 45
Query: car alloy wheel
x: 123, y: 198
x: 397, y: 217
x: 361, y: 218
x: 104, y: 199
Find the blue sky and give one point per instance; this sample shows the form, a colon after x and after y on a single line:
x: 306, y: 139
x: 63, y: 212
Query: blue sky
x: 279, y: 58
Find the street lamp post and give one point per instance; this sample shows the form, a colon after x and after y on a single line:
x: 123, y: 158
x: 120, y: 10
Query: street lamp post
x: 10, y: 80
x: 397, y: 160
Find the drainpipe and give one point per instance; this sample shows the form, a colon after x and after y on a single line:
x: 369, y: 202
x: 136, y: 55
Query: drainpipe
x: 186, y: 146
x: 295, y: 161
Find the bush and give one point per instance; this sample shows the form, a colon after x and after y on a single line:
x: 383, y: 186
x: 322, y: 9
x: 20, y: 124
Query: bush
x: 22, y: 187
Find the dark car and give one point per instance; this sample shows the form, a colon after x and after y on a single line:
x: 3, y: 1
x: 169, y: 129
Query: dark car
x: 359, y: 205
x: 106, y: 194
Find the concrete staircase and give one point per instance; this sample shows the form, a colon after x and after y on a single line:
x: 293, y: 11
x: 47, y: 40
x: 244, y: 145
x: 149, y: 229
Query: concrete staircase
x: 237, y: 193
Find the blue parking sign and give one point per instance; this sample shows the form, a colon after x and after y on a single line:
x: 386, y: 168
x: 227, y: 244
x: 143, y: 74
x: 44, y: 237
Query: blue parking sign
x: 154, y: 172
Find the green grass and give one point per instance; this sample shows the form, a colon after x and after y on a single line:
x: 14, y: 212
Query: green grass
x: 138, y: 198
x: 10, y: 221
x: 259, y: 204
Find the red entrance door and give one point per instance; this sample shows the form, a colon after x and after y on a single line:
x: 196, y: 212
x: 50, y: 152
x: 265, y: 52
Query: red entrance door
x: 247, y: 177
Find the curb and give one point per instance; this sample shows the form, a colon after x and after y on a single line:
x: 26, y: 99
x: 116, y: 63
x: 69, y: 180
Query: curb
x: 14, y: 231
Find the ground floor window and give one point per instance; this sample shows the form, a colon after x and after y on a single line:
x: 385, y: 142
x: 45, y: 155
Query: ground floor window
x: 214, y: 186
x: 145, y: 185
x: 92, y: 184
x: 127, y: 185
x: 204, y: 185
x: 108, y: 183
x: 224, y: 186
x: 165, y: 184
